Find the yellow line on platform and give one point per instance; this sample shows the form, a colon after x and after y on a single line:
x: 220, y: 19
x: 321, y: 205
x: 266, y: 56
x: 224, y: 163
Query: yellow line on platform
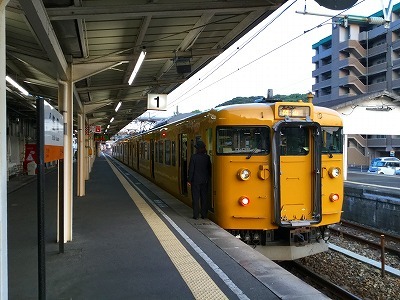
x: 197, y: 279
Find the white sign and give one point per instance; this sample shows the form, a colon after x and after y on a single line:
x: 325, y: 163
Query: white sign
x: 157, y: 101
x: 53, y: 126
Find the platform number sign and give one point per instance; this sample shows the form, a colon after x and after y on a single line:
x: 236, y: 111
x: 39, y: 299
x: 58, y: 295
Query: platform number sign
x: 157, y: 101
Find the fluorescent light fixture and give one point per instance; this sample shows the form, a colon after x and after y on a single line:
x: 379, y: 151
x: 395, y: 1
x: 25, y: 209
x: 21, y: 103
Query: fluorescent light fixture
x: 137, y: 66
x: 20, y: 88
x: 112, y: 119
x: 108, y: 126
x: 118, y: 106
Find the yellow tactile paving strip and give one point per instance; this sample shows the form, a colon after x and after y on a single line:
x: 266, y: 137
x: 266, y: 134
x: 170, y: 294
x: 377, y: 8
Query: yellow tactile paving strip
x: 197, y: 279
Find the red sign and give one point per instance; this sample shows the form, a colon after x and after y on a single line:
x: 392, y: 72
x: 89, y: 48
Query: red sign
x: 30, y: 155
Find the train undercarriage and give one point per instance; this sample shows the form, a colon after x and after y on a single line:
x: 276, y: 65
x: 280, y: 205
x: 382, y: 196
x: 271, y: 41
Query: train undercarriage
x: 286, y: 243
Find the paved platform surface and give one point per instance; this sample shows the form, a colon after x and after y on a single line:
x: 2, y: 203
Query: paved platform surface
x: 132, y: 240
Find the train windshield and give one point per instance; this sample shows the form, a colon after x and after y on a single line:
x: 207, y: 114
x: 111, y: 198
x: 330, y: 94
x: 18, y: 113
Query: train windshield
x: 243, y: 140
x: 294, y: 141
x: 332, y: 139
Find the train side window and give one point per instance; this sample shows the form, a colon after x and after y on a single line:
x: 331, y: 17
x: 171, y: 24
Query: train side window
x: 168, y: 152
x: 156, y: 151
x: 160, y: 151
x: 332, y: 139
x: 242, y: 140
x: 146, y: 151
x: 173, y: 158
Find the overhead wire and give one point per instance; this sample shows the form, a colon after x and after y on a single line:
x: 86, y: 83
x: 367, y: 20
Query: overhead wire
x: 260, y: 57
x: 239, y: 48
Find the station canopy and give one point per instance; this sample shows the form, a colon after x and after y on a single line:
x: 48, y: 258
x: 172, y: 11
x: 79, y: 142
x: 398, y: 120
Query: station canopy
x: 97, y: 43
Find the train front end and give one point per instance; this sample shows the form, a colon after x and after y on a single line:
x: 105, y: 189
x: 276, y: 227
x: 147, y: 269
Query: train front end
x: 280, y: 180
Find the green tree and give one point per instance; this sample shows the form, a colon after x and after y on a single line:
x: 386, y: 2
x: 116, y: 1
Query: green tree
x: 243, y: 100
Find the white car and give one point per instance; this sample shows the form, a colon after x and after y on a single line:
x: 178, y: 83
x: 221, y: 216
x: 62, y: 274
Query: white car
x: 373, y: 168
x: 388, y: 167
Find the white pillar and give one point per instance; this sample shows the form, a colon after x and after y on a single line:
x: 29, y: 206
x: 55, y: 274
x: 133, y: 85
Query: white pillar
x: 68, y: 156
x: 3, y: 156
x: 93, y: 156
x: 65, y: 94
x: 81, y: 160
x: 86, y: 153
x: 345, y: 156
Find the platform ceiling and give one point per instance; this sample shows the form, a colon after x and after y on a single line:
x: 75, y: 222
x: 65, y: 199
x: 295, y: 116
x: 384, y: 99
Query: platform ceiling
x: 100, y: 41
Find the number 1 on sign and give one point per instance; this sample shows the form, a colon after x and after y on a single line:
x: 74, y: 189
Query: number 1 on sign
x: 158, y: 101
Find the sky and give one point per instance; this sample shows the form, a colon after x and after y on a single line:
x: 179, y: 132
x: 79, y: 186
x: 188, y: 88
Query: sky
x: 276, y: 55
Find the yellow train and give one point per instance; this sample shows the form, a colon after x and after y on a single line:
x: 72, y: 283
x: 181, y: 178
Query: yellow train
x: 277, y: 176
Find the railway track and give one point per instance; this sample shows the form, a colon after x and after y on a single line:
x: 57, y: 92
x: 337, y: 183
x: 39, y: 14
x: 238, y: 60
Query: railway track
x: 346, y: 277
x: 369, y: 236
x: 321, y: 283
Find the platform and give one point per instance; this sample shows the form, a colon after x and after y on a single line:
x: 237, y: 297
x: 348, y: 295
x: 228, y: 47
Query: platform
x: 132, y: 240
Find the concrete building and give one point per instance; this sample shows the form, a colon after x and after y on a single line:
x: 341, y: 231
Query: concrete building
x: 357, y: 72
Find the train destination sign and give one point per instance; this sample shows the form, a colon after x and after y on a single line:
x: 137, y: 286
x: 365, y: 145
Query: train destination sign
x: 293, y: 111
x: 157, y: 101
x: 53, y: 133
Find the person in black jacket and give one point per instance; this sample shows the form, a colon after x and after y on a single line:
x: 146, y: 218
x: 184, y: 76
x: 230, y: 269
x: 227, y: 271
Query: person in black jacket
x: 198, y: 178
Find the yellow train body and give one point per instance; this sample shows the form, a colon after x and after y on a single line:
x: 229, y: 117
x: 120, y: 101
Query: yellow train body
x: 276, y: 167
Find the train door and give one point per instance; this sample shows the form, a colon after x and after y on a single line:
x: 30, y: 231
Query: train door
x: 183, y: 164
x: 152, y: 158
x: 297, y: 173
x: 210, y: 146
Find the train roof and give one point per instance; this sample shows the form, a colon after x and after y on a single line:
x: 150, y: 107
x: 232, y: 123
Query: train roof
x: 231, y: 108
x: 175, y: 118
x: 256, y: 105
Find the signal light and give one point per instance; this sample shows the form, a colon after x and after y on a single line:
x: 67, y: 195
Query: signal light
x: 334, y: 197
x: 243, y: 201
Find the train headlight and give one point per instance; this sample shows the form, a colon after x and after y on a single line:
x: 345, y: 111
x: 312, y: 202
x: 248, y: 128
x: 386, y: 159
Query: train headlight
x: 334, y: 172
x: 334, y: 197
x: 243, y: 201
x: 244, y: 174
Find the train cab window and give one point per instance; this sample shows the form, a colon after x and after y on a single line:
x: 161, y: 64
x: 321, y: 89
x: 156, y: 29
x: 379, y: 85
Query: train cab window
x: 332, y: 139
x: 243, y: 140
x: 294, y: 141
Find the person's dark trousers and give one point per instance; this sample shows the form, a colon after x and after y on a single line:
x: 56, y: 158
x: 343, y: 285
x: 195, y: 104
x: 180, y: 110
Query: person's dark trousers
x: 199, y: 196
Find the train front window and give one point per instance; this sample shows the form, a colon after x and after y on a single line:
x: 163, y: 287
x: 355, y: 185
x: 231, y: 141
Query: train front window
x: 332, y: 139
x: 294, y: 141
x: 243, y: 140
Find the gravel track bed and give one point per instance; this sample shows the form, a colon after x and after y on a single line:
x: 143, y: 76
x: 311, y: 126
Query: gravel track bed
x: 360, y: 279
